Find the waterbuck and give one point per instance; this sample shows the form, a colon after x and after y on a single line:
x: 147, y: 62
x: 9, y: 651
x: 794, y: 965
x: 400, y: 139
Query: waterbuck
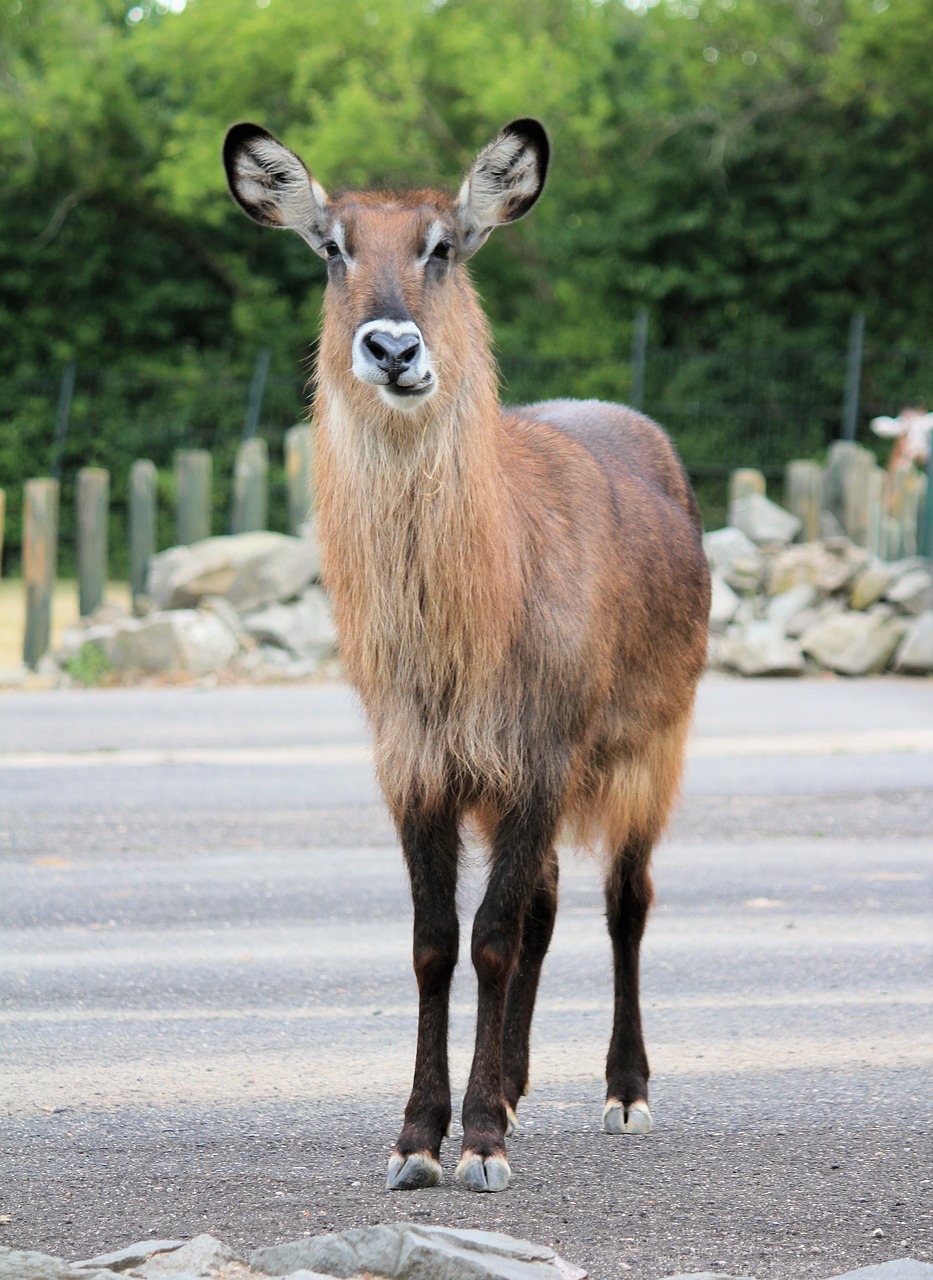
x: 521, y: 596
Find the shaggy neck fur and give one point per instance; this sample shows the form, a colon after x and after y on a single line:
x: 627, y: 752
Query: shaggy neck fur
x: 415, y: 528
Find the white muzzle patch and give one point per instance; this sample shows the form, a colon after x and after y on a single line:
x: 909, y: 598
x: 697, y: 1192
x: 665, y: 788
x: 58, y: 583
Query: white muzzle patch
x: 415, y: 385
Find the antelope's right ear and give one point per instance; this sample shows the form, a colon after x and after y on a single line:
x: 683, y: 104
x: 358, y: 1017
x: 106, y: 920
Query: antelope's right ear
x: 272, y: 185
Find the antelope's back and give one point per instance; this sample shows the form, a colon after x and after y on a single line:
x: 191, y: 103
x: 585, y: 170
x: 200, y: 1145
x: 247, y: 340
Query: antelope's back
x: 655, y: 554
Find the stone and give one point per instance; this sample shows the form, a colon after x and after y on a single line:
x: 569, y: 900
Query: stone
x: 306, y: 629
x: 915, y: 652
x: 706, y: 1275
x: 19, y: 1264
x: 248, y: 569
x: 134, y: 1255
x: 760, y: 649
x: 870, y: 585
x: 896, y: 1269
x: 854, y: 644
x: 829, y: 565
x: 724, y: 546
x: 763, y: 520
x: 202, y: 1256
x: 410, y: 1251
x: 912, y: 592
x: 723, y: 605
x: 784, y: 608
x: 187, y: 640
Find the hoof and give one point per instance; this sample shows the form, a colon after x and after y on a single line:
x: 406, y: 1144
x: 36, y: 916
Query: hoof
x: 511, y: 1121
x: 634, y: 1119
x: 411, y: 1173
x: 477, y: 1173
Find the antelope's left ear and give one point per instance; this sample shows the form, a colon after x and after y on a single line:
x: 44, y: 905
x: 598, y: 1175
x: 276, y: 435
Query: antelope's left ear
x: 504, y: 182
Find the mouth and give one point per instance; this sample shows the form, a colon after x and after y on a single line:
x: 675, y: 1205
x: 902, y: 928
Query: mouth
x: 395, y: 393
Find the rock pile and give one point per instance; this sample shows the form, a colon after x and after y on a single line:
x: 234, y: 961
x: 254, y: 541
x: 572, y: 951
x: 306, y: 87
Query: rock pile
x: 785, y: 608
x: 250, y: 603
x: 399, y: 1251
x: 396, y: 1251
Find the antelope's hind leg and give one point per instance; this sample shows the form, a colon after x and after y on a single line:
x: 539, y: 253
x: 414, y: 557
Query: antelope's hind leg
x: 537, y: 928
x: 431, y: 844
x: 628, y: 898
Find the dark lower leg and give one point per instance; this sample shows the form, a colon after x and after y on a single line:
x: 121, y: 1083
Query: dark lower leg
x: 537, y: 928
x: 628, y: 898
x: 521, y: 849
x: 431, y: 846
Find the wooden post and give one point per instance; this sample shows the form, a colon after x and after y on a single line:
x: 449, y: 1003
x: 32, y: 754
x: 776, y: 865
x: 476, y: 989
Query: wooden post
x: 858, y: 488
x: 907, y: 500
x: 92, y: 510
x: 250, y: 507
x: 926, y: 531
x: 803, y: 495
x: 193, y: 479
x: 743, y: 482
x: 841, y: 456
x: 143, y: 481
x: 40, y: 555
x: 299, y: 458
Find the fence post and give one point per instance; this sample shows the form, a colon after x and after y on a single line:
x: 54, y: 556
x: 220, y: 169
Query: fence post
x: 743, y: 482
x: 92, y: 510
x: 142, y: 523
x: 853, y: 375
x: 250, y: 487
x: 40, y: 554
x: 803, y: 495
x: 639, y: 357
x: 299, y: 456
x: 926, y: 532
x: 193, y: 510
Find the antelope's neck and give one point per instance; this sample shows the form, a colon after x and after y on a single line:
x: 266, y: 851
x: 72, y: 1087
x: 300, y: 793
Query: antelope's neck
x: 414, y: 525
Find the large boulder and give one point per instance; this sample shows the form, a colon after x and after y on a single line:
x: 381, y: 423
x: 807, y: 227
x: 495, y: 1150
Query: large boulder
x: 194, y: 641
x: 762, y: 520
x: 248, y: 569
x: 723, y: 605
x: 829, y: 566
x: 915, y: 653
x: 854, y: 644
x: 912, y: 592
x: 305, y: 628
x: 760, y: 649
x: 412, y: 1251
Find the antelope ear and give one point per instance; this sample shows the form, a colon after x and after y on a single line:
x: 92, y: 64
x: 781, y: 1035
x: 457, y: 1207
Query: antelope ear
x: 504, y: 182
x: 273, y: 187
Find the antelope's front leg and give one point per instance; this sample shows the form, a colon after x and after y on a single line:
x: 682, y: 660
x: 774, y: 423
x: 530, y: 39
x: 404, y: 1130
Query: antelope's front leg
x: 431, y: 845
x: 520, y: 849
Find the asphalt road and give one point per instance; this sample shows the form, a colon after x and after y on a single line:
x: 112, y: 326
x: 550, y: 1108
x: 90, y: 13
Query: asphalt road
x: 207, y: 1013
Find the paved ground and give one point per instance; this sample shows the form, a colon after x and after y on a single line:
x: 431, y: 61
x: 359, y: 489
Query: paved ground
x: 207, y: 1013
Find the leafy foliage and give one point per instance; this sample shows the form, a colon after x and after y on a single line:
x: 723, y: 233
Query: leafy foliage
x: 750, y: 171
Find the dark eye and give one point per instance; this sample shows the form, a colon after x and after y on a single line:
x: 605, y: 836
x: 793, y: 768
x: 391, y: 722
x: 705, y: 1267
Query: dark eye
x: 332, y: 248
x: 442, y: 250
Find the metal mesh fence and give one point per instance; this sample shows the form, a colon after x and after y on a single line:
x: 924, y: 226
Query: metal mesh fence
x: 725, y: 409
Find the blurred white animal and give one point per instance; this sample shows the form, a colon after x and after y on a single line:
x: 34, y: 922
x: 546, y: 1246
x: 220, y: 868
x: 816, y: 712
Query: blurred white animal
x: 912, y: 429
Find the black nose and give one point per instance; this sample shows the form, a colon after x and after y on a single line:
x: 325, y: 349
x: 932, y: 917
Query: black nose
x: 393, y: 355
